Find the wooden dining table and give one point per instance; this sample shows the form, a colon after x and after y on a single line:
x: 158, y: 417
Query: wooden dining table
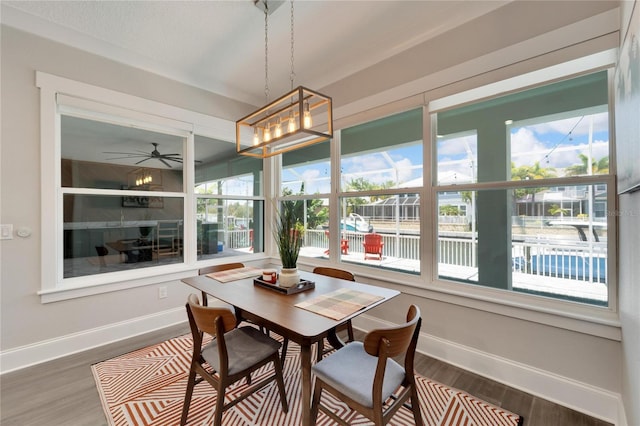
x: 278, y: 312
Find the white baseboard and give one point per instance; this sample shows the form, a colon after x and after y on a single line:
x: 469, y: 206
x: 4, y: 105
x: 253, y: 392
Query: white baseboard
x: 25, y: 356
x: 582, y: 397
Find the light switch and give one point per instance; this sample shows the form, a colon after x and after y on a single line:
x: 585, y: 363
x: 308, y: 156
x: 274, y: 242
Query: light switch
x: 6, y: 232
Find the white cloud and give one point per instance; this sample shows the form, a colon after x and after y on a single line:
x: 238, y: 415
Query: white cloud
x: 405, y: 169
x: 458, y: 146
x: 600, y: 124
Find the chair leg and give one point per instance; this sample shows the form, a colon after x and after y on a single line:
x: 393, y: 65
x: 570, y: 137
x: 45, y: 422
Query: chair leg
x: 217, y: 418
x: 283, y: 356
x: 315, y: 402
x: 415, y: 406
x: 280, y: 381
x: 320, y: 350
x: 350, y: 332
x: 187, y: 397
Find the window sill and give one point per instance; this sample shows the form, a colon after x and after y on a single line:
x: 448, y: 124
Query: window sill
x: 591, y: 320
x: 94, y: 285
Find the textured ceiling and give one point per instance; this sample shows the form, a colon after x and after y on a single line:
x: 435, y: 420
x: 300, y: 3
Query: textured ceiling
x: 219, y: 45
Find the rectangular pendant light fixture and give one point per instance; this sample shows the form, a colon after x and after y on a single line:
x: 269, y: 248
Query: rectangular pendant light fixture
x: 299, y: 118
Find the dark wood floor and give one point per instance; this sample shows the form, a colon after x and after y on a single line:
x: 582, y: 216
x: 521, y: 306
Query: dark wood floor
x: 63, y: 393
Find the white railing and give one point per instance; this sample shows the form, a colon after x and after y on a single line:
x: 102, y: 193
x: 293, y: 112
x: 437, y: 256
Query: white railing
x: 538, y: 257
x: 544, y: 257
x: 581, y: 262
x: 237, y: 239
x: 457, y: 251
x: 401, y: 246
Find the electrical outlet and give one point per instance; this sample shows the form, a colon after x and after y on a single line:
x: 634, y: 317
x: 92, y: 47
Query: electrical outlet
x: 162, y: 292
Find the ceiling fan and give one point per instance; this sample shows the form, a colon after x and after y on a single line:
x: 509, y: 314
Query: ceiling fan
x: 155, y: 154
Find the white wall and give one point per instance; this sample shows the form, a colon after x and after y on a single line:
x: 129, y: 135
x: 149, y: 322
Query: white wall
x: 629, y: 216
x: 630, y: 304
x: 534, y: 354
x: 25, y: 320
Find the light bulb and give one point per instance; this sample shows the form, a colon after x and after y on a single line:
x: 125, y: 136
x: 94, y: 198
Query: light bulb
x: 267, y: 133
x: 292, y: 122
x: 256, y: 137
x: 307, y: 116
x: 278, y: 131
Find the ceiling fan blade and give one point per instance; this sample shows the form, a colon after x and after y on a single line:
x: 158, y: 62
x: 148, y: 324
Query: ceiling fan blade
x: 138, y: 152
x: 124, y: 158
x: 155, y: 154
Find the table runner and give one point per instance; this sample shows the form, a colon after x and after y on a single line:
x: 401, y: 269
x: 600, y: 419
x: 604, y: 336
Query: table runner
x: 340, y: 303
x: 235, y: 274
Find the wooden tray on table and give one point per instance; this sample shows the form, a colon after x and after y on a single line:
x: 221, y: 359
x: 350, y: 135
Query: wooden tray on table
x: 304, y: 285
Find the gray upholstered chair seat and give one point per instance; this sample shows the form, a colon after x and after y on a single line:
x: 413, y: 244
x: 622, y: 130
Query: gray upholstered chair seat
x: 246, y: 346
x: 351, y: 370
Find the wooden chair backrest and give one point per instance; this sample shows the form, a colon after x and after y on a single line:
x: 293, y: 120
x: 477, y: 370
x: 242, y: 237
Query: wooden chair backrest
x: 334, y: 272
x: 394, y: 340
x: 218, y: 268
x: 204, y: 317
x: 372, y: 239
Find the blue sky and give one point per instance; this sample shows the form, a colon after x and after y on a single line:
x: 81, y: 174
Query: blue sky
x: 555, y: 143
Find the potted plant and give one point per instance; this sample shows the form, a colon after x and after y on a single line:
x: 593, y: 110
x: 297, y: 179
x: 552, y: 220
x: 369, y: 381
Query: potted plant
x: 288, y: 232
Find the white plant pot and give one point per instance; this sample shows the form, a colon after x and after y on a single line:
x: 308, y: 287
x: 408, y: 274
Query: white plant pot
x: 289, y: 277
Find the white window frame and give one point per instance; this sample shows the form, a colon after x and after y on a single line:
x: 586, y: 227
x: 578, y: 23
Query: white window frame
x: 596, y: 320
x: 64, y: 96
x: 592, y: 320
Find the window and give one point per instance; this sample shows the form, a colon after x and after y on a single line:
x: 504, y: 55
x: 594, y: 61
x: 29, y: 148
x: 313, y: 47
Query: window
x: 381, y: 175
x: 532, y: 170
x: 122, y: 196
x: 305, y: 179
x: 129, y: 194
x: 229, y: 212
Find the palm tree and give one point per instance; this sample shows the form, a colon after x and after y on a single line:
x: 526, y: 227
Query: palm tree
x: 556, y: 210
x: 598, y: 167
x: 534, y: 172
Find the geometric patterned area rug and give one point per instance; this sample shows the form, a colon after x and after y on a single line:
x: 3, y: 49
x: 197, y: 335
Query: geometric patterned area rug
x: 147, y: 386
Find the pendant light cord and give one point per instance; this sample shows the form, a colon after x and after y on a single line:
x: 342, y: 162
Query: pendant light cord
x: 293, y: 74
x: 266, y: 51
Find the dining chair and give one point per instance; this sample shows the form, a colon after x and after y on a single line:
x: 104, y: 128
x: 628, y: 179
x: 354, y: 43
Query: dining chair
x: 168, y: 238
x: 365, y: 376
x: 347, y: 325
x: 225, y: 267
x: 233, y: 353
x: 217, y: 268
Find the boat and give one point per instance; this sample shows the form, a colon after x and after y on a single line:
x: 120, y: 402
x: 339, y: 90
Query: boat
x: 581, y: 226
x: 356, y: 223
